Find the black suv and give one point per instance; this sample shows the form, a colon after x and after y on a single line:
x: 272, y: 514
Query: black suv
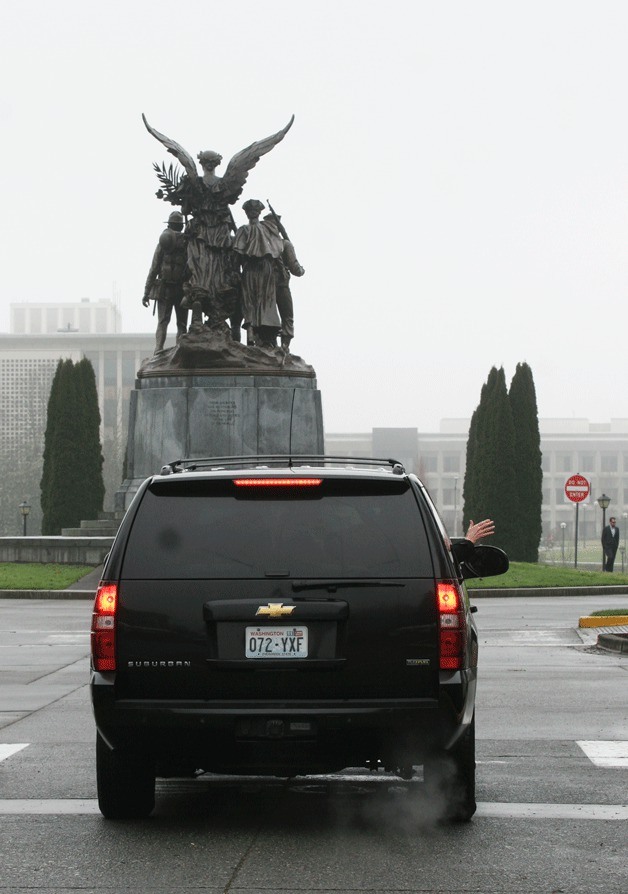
x: 284, y: 616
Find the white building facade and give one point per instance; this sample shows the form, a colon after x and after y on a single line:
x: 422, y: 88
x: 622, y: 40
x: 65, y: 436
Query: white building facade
x: 599, y: 452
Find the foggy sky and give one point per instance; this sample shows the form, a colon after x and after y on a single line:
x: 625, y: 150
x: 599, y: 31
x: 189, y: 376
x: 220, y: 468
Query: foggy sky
x: 455, y: 183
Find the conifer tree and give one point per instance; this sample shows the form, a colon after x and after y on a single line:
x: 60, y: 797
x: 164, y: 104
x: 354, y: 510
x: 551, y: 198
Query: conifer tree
x: 473, y: 480
x: 91, y: 458
x: 72, y: 487
x: 52, y: 417
x: 528, y: 456
x: 490, y: 489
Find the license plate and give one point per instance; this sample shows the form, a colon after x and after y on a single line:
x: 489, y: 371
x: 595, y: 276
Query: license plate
x: 276, y: 642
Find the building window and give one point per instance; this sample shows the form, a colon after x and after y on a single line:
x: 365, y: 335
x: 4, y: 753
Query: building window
x: 608, y: 462
x: 451, y: 462
x: 110, y: 368
x: 428, y: 463
x: 101, y: 320
x: 19, y: 320
x: 587, y: 462
x: 129, y: 368
x: 35, y: 320
x: 545, y: 462
x: 111, y: 413
x: 51, y: 319
x: 563, y: 462
x: 449, y: 496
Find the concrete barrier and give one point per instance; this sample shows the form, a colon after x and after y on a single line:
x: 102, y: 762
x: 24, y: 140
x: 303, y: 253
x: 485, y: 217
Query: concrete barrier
x: 57, y: 550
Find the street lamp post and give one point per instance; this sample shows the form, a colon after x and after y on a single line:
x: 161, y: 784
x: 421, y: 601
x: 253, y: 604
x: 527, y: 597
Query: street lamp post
x: 603, y: 502
x: 25, y: 508
x: 563, y: 525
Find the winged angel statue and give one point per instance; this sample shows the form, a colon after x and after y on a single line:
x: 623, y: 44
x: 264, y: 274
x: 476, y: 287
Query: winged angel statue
x: 211, y: 287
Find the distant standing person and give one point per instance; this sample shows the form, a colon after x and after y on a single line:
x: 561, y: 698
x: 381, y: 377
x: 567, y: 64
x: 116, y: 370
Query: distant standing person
x: 610, y: 542
x: 164, y: 283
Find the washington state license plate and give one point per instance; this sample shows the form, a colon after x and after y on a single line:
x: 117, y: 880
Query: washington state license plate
x: 276, y: 642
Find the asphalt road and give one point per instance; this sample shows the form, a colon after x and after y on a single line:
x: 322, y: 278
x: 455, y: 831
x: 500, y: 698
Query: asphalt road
x: 552, y: 725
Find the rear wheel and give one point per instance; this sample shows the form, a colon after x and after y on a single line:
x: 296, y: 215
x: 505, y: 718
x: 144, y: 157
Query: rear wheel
x: 125, y: 782
x: 450, y: 777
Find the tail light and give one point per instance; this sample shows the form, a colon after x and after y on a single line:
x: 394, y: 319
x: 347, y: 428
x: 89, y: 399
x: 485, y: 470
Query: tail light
x: 104, y: 628
x: 277, y: 482
x: 452, y: 625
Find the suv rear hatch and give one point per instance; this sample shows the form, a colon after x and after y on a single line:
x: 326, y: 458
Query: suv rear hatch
x: 286, y: 587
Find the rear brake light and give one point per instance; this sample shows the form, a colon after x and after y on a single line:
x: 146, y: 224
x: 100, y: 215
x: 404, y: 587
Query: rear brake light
x: 277, y: 482
x: 104, y: 628
x: 452, y: 625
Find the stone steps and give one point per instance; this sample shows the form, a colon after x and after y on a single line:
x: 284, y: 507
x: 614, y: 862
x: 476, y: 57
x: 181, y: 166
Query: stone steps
x: 106, y: 525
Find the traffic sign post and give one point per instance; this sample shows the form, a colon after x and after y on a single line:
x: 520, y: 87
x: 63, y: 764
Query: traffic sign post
x: 577, y: 489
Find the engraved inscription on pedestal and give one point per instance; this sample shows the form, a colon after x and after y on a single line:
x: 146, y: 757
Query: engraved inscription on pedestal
x: 222, y: 412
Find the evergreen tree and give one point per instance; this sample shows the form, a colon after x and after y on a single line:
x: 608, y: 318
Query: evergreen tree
x: 473, y: 480
x: 72, y: 487
x: 91, y: 458
x: 47, y: 498
x: 528, y: 456
x: 490, y: 488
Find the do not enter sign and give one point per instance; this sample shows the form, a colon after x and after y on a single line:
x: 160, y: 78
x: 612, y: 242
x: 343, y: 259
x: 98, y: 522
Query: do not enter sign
x: 577, y: 488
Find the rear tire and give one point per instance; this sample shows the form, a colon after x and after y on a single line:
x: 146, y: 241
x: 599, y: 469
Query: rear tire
x: 450, y: 777
x: 125, y: 782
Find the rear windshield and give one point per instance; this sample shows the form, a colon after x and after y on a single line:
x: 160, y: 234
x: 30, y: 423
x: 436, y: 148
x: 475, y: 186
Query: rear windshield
x: 212, y: 529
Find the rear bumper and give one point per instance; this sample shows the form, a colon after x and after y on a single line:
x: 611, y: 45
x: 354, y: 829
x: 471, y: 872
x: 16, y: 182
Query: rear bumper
x: 277, y: 736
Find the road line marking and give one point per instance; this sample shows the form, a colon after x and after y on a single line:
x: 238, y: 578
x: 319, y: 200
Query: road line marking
x: 606, y: 754
x: 7, y: 750
x: 487, y: 809
x: 553, y: 811
x: 49, y: 807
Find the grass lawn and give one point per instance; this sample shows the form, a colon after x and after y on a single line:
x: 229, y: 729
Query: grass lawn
x: 27, y: 576
x: 522, y: 574
x: 35, y: 576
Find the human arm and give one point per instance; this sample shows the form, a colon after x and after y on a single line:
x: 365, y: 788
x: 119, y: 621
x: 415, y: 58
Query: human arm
x: 463, y: 548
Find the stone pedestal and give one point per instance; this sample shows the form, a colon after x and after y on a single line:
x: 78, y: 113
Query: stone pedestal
x: 180, y: 413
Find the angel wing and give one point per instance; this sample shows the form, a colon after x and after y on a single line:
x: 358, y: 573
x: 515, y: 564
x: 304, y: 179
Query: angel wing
x: 242, y: 162
x: 178, y: 151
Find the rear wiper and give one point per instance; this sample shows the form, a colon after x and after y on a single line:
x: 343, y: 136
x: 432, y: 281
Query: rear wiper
x: 333, y: 585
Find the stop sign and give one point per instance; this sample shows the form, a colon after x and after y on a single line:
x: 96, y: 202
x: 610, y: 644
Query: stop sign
x: 577, y: 488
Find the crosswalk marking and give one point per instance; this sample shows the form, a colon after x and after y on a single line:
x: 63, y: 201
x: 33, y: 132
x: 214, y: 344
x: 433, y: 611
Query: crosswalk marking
x: 606, y: 754
x: 553, y: 811
x: 8, y: 750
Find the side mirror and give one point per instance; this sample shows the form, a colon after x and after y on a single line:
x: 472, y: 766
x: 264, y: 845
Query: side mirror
x: 486, y: 561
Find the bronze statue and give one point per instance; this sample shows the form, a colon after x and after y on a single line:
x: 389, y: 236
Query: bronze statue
x: 255, y: 252
x: 284, y: 263
x: 164, y: 284
x: 212, y: 283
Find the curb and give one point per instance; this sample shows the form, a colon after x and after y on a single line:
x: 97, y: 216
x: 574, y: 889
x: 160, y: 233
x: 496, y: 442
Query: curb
x: 47, y: 594
x: 603, y: 621
x: 613, y: 642
x: 505, y: 593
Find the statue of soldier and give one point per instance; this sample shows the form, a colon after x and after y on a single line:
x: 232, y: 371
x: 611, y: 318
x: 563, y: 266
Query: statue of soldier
x: 259, y: 301
x: 284, y: 263
x: 164, y: 283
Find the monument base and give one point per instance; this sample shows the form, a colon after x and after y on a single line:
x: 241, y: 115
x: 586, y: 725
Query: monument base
x: 181, y: 413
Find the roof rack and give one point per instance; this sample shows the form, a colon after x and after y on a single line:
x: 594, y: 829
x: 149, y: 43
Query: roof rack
x: 216, y: 463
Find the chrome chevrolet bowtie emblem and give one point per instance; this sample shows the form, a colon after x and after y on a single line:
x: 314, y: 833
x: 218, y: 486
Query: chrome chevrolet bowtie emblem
x: 275, y: 610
